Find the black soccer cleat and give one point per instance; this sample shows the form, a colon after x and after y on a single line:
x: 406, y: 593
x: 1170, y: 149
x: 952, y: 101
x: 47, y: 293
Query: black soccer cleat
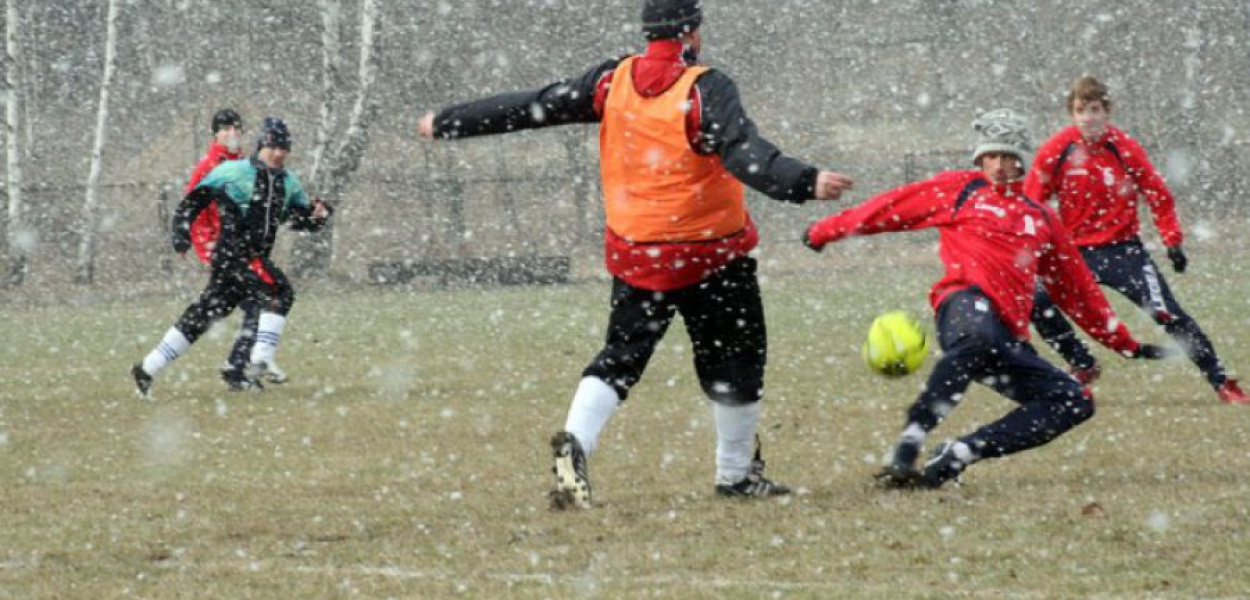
x: 754, y: 485
x: 943, y: 466
x: 143, y: 382
x: 238, y: 381
x: 899, y: 477
x: 572, y: 482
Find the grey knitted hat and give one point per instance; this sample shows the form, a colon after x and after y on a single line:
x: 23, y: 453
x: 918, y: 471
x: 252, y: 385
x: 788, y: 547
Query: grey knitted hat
x: 1003, y: 130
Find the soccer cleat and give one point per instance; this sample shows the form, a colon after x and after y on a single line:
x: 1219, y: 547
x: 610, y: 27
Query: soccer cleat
x: 143, y: 382
x: 943, y: 466
x: 273, y: 374
x: 901, y: 473
x: 754, y: 485
x: 238, y: 381
x: 254, y: 373
x: 1086, y: 376
x: 572, y: 483
x: 899, y: 477
x: 1230, y: 393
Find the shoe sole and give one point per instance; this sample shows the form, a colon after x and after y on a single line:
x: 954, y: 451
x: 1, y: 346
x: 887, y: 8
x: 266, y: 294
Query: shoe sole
x: 572, y: 490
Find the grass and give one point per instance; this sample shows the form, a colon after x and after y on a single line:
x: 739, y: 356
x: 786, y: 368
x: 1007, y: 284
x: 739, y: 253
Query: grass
x: 407, y: 458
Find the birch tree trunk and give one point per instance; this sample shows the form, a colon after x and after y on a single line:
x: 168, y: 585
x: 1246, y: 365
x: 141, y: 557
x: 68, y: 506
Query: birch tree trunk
x: 86, y: 248
x: 330, y: 48
x: 12, y: 135
x: 312, y: 254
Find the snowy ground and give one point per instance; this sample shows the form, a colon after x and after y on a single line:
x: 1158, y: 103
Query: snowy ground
x: 408, y: 458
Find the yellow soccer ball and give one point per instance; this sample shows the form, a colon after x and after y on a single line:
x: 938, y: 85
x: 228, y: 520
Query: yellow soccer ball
x: 896, y: 345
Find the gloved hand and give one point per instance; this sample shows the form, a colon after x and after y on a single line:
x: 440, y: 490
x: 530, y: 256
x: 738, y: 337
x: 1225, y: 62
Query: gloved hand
x: 1178, y: 258
x: 1150, y: 352
x: 807, y: 241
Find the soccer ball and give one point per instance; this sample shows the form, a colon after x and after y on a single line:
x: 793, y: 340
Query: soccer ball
x: 896, y: 345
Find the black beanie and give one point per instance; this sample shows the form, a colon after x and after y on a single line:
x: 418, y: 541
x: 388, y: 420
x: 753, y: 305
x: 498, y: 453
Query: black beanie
x: 273, y: 132
x: 225, y: 117
x: 665, y: 19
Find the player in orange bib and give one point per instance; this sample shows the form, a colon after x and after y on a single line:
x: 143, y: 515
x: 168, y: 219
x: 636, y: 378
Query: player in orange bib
x: 676, y: 147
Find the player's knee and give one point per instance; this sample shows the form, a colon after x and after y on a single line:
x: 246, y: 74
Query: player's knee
x: 1083, y: 407
x: 733, y: 393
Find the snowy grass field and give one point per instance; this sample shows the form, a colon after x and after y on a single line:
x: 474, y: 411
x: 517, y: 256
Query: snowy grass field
x: 408, y: 458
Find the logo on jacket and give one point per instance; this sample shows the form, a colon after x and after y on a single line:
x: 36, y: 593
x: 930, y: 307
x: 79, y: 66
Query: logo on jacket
x: 997, y: 210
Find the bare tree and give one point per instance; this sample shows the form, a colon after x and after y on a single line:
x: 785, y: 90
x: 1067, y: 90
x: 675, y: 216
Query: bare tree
x: 12, y: 126
x: 312, y: 253
x: 86, y: 247
x: 330, y: 49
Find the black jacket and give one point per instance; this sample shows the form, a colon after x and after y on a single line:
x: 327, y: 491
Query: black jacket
x: 724, y: 127
x: 251, y: 232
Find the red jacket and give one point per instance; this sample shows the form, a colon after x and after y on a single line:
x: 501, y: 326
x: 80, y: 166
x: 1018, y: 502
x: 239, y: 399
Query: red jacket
x: 207, y: 226
x: 1098, y: 186
x: 991, y: 237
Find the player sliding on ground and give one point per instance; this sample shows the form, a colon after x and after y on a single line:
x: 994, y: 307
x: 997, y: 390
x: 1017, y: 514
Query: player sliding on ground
x: 996, y: 245
x: 675, y: 146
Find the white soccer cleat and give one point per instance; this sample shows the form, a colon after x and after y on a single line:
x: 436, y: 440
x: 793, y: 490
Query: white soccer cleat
x: 572, y: 483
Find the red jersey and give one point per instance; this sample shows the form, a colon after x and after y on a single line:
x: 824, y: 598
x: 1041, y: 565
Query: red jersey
x: 994, y: 238
x: 207, y: 226
x: 1098, y: 185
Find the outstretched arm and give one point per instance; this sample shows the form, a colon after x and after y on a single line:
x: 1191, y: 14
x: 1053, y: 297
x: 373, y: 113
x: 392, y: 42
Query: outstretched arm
x: 727, y: 131
x: 913, y: 206
x: 563, y: 102
x: 1073, y: 288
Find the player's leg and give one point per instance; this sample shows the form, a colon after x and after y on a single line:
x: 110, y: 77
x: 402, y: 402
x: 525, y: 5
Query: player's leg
x: 967, y: 328
x: 1051, y: 403
x: 1059, y: 334
x: 1128, y: 269
x: 234, y: 371
x: 217, y: 299
x: 269, y: 287
x: 724, y: 317
x: 637, y: 321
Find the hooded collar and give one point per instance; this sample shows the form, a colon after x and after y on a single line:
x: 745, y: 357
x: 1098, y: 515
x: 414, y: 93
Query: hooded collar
x: 660, y: 66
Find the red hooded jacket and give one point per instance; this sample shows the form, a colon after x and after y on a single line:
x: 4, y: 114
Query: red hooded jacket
x: 991, y: 237
x: 1098, y: 185
x: 207, y: 226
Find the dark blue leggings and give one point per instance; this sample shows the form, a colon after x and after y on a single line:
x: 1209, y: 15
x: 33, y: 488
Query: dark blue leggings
x: 976, y: 346
x: 1126, y: 268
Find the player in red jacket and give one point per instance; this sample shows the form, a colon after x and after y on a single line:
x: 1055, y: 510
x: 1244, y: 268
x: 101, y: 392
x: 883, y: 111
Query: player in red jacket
x: 227, y: 144
x: 996, y: 244
x: 1098, y: 174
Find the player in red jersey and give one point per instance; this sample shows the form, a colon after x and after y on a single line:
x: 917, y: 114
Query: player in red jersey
x: 1098, y: 174
x: 996, y: 244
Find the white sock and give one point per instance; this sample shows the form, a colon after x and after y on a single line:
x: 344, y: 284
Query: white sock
x: 593, y: 404
x: 268, y: 334
x: 964, y: 453
x: 914, y: 434
x: 173, y: 345
x: 735, y: 440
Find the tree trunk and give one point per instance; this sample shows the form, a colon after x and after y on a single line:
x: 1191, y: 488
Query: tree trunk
x: 330, y: 48
x: 18, y: 237
x: 86, y: 248
x: 312, y: 254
